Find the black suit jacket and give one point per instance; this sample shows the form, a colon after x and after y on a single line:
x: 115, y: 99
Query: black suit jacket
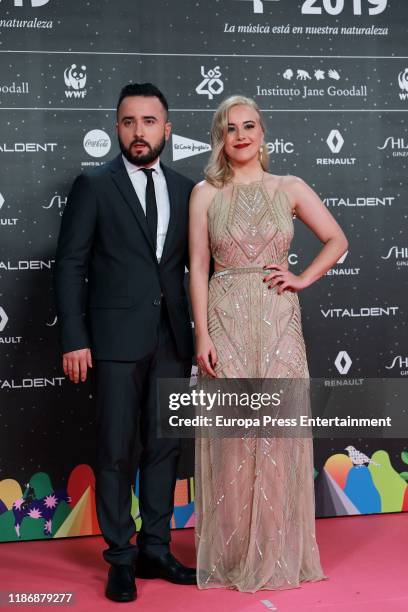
x: 104, y: 238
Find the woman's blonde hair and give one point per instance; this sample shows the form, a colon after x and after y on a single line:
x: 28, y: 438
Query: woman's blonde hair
x: 218, y: 170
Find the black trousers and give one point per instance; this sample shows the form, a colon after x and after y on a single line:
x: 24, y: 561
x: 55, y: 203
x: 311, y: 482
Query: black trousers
x: 126, y: 403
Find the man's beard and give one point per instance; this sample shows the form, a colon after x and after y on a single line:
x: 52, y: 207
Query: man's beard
x: 142, y: 160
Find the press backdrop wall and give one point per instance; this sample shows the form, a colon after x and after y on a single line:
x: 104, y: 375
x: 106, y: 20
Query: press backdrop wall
x: 331, y: 77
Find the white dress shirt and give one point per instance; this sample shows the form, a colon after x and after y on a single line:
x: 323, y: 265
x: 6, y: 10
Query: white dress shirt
x: 139, y: 181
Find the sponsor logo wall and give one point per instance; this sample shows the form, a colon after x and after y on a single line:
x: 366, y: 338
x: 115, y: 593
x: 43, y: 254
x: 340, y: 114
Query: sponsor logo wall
x: 332, y: 82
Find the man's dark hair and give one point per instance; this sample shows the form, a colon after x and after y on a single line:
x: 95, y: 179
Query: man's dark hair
x: 147, y: 90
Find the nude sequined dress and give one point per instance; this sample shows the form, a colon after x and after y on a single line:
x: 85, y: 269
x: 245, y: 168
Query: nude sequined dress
x: 255, y: 511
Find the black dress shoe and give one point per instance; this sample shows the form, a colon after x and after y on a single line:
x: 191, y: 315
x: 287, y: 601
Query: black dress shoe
x: 121, y: 584
x: 164, y: 566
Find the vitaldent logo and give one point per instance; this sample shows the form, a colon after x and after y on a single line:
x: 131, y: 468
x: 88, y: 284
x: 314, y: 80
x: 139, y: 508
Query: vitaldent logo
x: 340, y: 271
x: 97, y: 143
x: 32, y: 264
x: 57, y: 202
x: 3, y: 322
x: 400, y: 362
x: 335, y: 142
x: 398, y: 146
x: 28, y: 147
x: 75, y: 81
x: 363, y: 201
x: 31, y: 383
x: 6, y: 221
x: 211, y: 85
x: 403, y: 84
x: 398, y: 254
x: 186, y: 147
x: 364, y: 312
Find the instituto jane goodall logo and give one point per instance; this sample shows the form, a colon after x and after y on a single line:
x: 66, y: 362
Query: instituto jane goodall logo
x: 97, y: 143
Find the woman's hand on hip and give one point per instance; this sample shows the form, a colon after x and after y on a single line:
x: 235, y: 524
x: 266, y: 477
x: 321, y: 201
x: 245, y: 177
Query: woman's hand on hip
x: 283, y: 279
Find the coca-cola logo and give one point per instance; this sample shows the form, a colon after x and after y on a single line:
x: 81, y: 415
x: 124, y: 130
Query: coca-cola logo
x: 97, y: 143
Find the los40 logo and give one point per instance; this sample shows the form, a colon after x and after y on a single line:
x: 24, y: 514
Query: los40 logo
x: 335, y: 7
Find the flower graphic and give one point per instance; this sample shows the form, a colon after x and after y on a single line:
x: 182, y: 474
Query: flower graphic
x: 18, y: 503
x: 34, y: 513
x: 50, y: 501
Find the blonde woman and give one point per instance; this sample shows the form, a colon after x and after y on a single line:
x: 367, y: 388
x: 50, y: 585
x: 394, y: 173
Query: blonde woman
x: 254, y: 497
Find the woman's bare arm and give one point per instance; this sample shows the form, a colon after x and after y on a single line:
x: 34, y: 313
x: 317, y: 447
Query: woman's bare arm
x: 309, y: 208
x: 200, y: 255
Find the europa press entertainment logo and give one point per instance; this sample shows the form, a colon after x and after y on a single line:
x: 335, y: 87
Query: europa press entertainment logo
x: 97, y: 143
x: 75, y: 81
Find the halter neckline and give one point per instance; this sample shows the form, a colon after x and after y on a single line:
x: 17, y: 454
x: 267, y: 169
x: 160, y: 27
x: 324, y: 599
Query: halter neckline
x: 257, y: 182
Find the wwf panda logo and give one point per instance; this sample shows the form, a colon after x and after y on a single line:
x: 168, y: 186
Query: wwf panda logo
x: 75, y: 77
x: 403, y: 80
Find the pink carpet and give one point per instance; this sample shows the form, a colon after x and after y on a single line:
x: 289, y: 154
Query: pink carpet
x: 365, y: 558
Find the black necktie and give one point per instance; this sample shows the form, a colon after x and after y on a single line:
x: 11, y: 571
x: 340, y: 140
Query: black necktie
x: 151, y: 206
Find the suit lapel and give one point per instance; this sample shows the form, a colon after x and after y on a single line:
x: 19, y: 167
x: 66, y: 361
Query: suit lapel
x: 124, y: 184
x: 173, y: 189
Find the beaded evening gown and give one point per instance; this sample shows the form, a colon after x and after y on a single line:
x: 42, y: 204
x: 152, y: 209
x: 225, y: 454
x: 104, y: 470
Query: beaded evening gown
x: 255, y: 512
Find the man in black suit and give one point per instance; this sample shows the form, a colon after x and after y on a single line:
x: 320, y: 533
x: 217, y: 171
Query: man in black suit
x: 124, y: 229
